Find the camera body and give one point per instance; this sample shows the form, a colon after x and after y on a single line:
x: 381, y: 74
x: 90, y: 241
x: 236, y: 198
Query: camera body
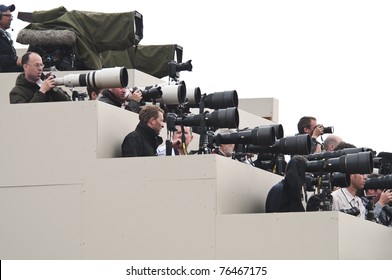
x: 78, y: 95
x: 354, y: 211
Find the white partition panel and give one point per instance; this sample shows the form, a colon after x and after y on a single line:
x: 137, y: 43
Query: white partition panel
x: 41, y: 222
x: 302, y: 236
x: 66, y: 194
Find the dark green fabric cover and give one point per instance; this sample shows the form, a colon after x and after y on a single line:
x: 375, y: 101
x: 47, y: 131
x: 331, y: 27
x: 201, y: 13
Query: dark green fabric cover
x: 107, y: 40
x: 151, y: 59
x: 96, y: 32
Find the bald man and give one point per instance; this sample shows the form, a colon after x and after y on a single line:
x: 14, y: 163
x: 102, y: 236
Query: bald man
x: 331, y: 142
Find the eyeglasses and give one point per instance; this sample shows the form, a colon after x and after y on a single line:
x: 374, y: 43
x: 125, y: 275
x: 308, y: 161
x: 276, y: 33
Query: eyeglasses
x: 37, y: 65
x: 8, y: 15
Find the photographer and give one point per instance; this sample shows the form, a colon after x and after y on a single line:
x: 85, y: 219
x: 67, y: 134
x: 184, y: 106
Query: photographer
x: 122, y: 98
x: 226, y: 150
x: 308, y: 125
x: 145, y: 139
x: 9, y: 61
x: 29, y: 87
x: 346, y: 198
x: 378, y: 198
x: 286, y: 196
x: 180, y: 142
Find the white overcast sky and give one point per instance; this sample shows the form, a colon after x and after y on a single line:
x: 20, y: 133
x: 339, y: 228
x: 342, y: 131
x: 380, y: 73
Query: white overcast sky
x: 327, y: 59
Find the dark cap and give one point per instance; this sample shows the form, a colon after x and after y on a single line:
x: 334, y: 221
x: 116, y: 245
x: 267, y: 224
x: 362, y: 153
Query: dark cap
x: 4, y: 8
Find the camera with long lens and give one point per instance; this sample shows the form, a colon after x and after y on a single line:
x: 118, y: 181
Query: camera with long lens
x: 335, y: 154
x: 216, y: 100
x: 358, y: 163
x: 261, y: 136
x: 383, y: 161
x: 220, y: 100
x: 279, y: 133
x: 193, y: 97
x: 322, y: 184
x: 317, y: 181
x: 174, y: 94
x: 327, y: 129
x: 205, y: 123
x: 167, y: 95
x: 381, y: 182
x: 272, y: 158
x: 291, y: 145
x: 116, y: 77
x: 241, y: 149
x: 151, y: 94
x: 175, y: 68
x: 222, y: 118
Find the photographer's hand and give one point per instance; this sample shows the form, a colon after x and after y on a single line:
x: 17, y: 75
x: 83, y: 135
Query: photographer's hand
x: 177, y: 144
x: 47, y: 84
x: 317, y: 131
x: 136, y: 95
x: 385, y: 197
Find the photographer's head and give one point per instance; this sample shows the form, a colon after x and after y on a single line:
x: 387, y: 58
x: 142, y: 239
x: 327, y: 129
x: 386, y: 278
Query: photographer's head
x: 32, y: 66
x: 308, y: 125
x: 383, y: 196
x: 357, y: 181
x: 177, y: 135
x: 6, y: 16
x: 331, y: 142
x: 226, y: 150
x: 118, y: 93
x: 152, y: 116
x: 93, y: 93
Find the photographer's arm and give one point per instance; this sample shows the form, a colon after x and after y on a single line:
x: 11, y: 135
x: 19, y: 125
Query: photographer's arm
x: 317, y: 146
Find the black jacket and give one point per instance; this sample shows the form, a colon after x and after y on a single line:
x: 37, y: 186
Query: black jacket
x: 28, y: 92
x: 7, y: 55
x: 141, y: 142
x: 286, y: 196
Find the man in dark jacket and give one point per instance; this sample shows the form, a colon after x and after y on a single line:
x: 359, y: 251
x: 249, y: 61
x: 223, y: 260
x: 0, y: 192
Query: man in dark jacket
x: 30, y: 88
x: 286, y: 196
x: 9, y: 61
x: 122, y: 97
x: 145, y: 140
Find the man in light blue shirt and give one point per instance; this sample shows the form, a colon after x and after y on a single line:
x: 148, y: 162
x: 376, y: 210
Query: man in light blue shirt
x: 180, y: 142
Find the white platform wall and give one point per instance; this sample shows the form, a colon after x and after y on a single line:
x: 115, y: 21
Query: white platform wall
x: 66, y: 194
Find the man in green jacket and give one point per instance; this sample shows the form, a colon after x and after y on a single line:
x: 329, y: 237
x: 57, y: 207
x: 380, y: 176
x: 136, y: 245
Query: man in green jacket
x: 30, y: 87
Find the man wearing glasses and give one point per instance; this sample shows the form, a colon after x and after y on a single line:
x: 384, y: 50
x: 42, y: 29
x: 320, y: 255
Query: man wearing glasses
x: 32, y: 86
x: 9, y: 61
